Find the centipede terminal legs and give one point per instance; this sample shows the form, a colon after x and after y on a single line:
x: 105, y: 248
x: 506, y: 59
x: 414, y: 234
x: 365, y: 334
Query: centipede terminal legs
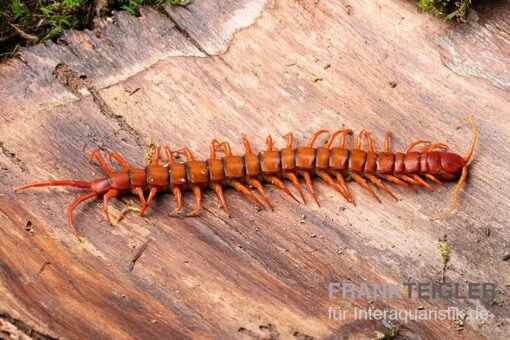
x: 70, y: 209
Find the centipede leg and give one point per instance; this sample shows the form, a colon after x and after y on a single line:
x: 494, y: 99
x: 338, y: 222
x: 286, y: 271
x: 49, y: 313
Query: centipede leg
x: 178, y: 197
x: 308, y: 182
x: 393, y: 179
x: 111, y: 193
x: 70, y: 209
x: 152, y: 193
x: 139, y: 192
x: 423, y: 183
x: 122, y: 162
x: 198, y: 199
x: 381, y: 185
x: 387, y: 142
x: 407, y: 179
x: 257, y: 185
x: 343, y: 186
x: 327, y: 178
x: 276, y: 181
x: 219, y: 193
x: 293, y: 178
x: 365, y: 185
x: 414, y: 144
x: 432, y: 147
x: 435, y: 180
x: 156, y: 156
x: 239, y: 187
x: 102, y: 162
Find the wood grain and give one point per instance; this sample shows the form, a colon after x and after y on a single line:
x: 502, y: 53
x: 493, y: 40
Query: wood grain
x: 219, y: 71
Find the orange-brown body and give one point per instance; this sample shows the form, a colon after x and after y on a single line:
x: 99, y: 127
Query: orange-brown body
x: 272, y: 166
x: 444, y: 165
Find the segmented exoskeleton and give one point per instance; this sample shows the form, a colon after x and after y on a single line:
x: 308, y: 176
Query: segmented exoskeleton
x: 331, y: 163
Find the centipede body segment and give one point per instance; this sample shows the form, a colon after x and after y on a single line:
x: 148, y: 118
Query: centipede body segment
x: 332, y: 162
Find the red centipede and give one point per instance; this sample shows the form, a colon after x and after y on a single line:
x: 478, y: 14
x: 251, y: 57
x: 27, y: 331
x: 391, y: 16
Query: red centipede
x: 332, y: 163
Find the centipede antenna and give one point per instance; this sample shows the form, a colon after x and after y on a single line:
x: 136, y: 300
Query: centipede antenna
x: 464, y: 174
x: 475, y: 137
x: 455, y: 195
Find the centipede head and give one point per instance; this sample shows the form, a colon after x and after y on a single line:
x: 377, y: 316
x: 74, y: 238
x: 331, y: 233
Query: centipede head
x: 451, y: 165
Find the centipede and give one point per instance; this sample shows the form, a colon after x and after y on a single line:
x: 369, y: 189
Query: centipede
x: 333, y: 162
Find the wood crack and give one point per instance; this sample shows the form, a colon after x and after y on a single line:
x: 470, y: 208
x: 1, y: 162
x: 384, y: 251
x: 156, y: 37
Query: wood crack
x: 75, y: 81
x: 12, y: 327
x: 186, y: 34
x: 12, y: 156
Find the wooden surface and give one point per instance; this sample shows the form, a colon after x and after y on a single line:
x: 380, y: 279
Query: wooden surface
x: 256, y: 68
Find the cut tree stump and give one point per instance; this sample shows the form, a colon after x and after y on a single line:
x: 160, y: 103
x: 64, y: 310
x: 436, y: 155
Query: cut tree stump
x: 252, y: 67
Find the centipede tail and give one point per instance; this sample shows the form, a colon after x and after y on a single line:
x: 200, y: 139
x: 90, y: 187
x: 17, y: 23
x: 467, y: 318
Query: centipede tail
x: 332, y: 163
